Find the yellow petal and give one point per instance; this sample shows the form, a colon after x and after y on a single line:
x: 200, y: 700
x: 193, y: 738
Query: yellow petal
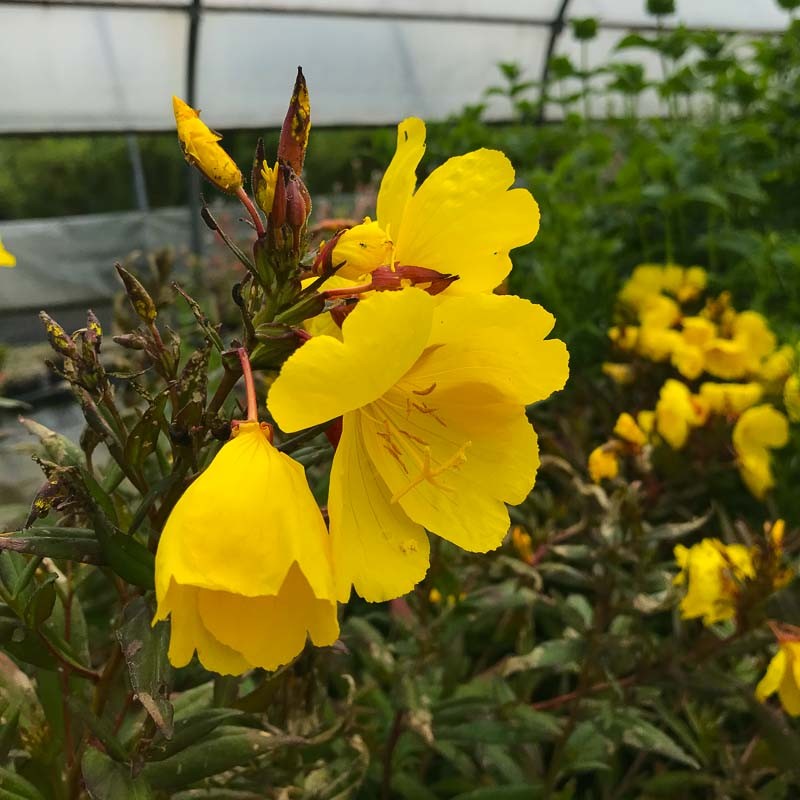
x: 603, y: 463
x: 400, y: 177
x: 789, y: 693
x: 270, y: 631
x: 362, y: 249
x: 463, y: 221
x: 627, y: 429
x: 7, y: 259
x: 375, y: 546
x: 773, y: 677
x: 756, y: 471
x: 494, y: 340
x: 242, y: 524
x: 382, y: 337
x: 761, y: 426
x: 452, y: 459
x: 187, y: 634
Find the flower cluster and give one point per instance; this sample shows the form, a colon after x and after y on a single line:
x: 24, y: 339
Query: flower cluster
x: 417, y: 371
x: 730, y: 369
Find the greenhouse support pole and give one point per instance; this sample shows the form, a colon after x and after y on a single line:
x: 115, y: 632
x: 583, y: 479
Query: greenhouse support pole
x: 137, y: 169
x: 555, y: 31
x: 195, y: 241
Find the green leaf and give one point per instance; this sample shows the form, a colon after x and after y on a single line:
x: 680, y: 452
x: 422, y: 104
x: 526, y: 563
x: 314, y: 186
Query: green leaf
x: 641, y: 734
x: 55, y: 544
x: 563, y: 654
x: 108, y: 780
x: 128, y: 557
x: 226, y: 748
x: 190, y: 730
x: 519, y: 791
x: 144, y: 649
x: 15, y: 787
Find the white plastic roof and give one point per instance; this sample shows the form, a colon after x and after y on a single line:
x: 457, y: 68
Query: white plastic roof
x: 112, y: 65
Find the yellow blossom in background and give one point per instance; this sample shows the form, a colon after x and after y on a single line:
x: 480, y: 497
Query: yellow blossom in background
x: 777, y: 367
x: 726, y: 358
x: 658, y: 311
x: 463, y: 220
x: 201, y: 148
x: 627, y: 429
x: 731, y: 398
x: 752, y: 329
x: 783, y: 675
x: 522, y: 542
x: 619, y: 373
x: 676, y: 413
x: 791, y: 397
x: 624, y: 337
x: 697, y: 331
x: 657, y: 343
x: 7, y: 259
x: 603, y: 463
x: 758, y: 430
x: 646, y: 420
x: 434, y: 431
x: 713, y: 573
x: 688, y: 359
x: 243, y: 566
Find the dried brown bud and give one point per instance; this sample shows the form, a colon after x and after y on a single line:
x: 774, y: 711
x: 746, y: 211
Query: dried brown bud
x: 131, y: 341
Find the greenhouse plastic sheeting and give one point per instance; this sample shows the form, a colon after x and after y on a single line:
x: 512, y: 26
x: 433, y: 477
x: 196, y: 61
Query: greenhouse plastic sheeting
x: 76, y: 67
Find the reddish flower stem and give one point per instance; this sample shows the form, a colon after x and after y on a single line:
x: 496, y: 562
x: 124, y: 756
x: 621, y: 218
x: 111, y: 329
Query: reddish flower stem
x: 251, y: 210
x: 249, y: 383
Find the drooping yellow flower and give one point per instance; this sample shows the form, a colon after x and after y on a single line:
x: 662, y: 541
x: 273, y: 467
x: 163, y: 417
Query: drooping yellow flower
x: 731, y: 398
x: 783, y: 674
x: 627, y: 429
x: 7, y: 259
x: 243, y: 566
x: 463, y: 220
x: 757, y: 431
x: 434, y: 431
x: 676, y: 413
x: 603, y: 463
x: 714, y: 572
x: 201, y: 148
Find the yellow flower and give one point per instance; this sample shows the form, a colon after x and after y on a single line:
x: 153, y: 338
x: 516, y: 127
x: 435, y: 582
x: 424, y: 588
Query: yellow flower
x: 698, y: 330
x: 434, y: 431
x: 694, y: 283
x: 463, y: 220
x: 243, y: 566
x: 778, y: 365
x: 758, y: 430
x: 726, y: 358
x: 676, y: 413
x: 6, y: 259
x: 791, y: 397
x: 688, y: 359
x: 731, y: 398
x: 714, y: 572
x: 603, y: 463
x: 201, y: 149
x: 625, y: 337
x: 265, y: 192
x: 646, y: 421
x: 658, y: 343
x: 659, y: 311
x: 619, y: 373
x: 783, y: 675
x: 753, y: 330
x: 627, y: 429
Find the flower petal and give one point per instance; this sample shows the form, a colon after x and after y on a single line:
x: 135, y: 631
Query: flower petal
x: 463, y: 220
x: 772, y: 677
x: 400, y: 177
x: 497, y: 340
x: 375, y: 546
x: 453, y: 458
x: 363, y: 248
x: 270, y: 631
x: 382, y: 337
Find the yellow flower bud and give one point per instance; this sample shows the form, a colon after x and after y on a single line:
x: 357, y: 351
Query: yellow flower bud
x: 603, y: 463
x: 627, y: 429
x: 201, y: 149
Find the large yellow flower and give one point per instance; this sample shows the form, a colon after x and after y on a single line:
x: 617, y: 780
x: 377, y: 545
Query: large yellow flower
x: 201, y: 148
x: 243, y: 565
x: 463, y: 220
x: 435, y: 435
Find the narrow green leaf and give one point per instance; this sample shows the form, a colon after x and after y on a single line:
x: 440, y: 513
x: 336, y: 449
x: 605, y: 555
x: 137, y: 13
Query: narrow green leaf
x: 108, y: 780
